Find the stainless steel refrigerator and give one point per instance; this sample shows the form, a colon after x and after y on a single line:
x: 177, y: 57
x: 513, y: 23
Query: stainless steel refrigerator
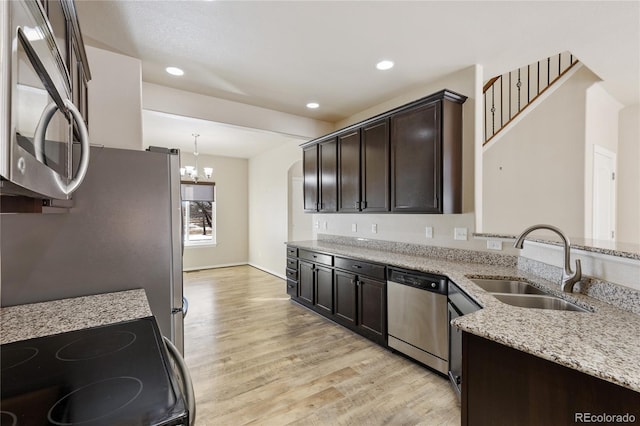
x: 123, y: 232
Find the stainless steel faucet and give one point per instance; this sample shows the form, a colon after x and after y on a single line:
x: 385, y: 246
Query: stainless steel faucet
x: 569, y: 278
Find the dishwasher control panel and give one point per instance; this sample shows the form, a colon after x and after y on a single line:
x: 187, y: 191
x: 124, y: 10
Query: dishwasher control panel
x: 423, y: 281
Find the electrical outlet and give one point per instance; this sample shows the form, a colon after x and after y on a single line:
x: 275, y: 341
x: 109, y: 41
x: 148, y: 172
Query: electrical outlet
x: 460, y: 234
x: 354, y: 227
x: 428, y: 232
x: 494, y: 244
x: 374, y: 228
x: 316, y: 224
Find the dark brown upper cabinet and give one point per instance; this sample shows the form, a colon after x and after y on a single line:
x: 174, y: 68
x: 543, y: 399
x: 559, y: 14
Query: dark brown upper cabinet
x: 375, y: 167
x: 320, y: 168
x: 310, y: 177
x: 349, y: 172
x: 426, y: 158
x: 407, y: 160
x: 328, y: 191
x: 363, y: 169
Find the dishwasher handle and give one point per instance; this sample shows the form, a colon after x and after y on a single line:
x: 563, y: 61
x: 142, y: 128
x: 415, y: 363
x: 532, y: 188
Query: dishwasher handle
x: 190, y: 396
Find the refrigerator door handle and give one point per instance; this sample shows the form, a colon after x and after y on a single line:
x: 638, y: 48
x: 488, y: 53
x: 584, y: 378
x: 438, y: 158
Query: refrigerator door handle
x: 184, y: 309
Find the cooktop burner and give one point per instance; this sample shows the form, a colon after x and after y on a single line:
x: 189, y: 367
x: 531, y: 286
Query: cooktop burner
x: 7, y: 418
x: 13, y: 357
x: 114, y: 395
x: 111, y: 375
x: 95, y: 346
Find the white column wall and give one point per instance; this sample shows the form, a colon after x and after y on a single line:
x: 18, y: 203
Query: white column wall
x: 115, y: 99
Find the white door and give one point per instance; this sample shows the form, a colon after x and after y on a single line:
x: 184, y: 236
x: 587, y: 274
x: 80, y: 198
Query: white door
x: 604, y: 194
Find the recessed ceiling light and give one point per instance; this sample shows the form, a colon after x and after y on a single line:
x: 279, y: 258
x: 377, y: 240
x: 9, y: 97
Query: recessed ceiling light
x: 174, y: 71
x: 384, y: 65
x: 313, y: 105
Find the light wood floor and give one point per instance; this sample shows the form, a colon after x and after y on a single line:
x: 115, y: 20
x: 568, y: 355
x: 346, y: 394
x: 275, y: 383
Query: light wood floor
x: 257, y: 358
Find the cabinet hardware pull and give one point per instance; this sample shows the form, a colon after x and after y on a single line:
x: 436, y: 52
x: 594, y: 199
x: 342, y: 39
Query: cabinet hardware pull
x: 357, y: 266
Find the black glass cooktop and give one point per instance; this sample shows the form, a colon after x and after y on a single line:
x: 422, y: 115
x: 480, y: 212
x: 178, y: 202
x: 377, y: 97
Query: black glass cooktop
x: 112, y: 375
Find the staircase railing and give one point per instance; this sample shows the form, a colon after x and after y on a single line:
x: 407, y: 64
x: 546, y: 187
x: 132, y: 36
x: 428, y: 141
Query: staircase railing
x: 507, y: 95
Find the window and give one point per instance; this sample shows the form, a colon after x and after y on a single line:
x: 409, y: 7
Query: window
x: 198, y: 215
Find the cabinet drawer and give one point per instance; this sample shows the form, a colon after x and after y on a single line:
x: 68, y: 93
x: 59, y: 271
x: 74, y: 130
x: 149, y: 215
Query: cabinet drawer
x: 324, y: 259
x: 359, y: 267
x: 292, y: 274
x: 292, y: 252
x: 292, y: 263
x: 292, y: 288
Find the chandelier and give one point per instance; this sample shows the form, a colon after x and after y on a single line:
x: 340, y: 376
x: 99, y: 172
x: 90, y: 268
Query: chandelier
x: 192, y: 171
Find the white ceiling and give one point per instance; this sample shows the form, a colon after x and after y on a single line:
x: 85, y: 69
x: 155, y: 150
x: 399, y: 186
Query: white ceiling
x: 281, y: 55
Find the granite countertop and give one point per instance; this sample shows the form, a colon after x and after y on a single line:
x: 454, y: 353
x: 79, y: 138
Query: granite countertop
x: 24, y: 322
x: 603, y: 342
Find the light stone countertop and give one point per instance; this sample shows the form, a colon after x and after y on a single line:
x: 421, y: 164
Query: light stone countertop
x: 604, y: 343
x: 24, y: 322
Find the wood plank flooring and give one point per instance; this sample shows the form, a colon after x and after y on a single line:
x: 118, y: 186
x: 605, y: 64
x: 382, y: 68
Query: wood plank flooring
x: 257, y: 358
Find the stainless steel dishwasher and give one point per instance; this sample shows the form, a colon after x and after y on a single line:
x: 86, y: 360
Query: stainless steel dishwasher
x: 417, y: 317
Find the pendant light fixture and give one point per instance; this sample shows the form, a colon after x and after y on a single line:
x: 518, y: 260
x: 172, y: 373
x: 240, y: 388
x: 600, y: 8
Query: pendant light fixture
x: 192, y: 171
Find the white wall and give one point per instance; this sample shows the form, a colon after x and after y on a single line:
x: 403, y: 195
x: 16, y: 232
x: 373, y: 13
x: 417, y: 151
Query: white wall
x: 535, y: 173
x: 232, y: 214
x: 115, y: 99
x: 268, y: 206
x: 628, y: 220
x: 411, y: 227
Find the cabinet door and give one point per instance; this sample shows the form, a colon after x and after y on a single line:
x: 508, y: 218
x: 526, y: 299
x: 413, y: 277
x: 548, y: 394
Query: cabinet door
x: 305, y: 282
x: 328, y: 191
x: 345, y: 300
x: 324, y: 289
x: 416, y: 160
x: 375, y: 167
x: 310, y: 176
x: 349, y: 172
x: 372, y: 308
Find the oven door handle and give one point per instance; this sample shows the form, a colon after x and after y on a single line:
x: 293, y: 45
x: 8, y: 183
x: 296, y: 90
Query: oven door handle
x: 186, y: 377
x: 39, y: 138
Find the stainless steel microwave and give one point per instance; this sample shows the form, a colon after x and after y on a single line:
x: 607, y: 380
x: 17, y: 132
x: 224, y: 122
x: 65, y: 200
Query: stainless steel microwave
x: 38, y: 157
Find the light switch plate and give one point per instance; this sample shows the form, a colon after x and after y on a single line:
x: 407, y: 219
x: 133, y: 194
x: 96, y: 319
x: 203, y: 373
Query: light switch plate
x: 354, y: 227
x: 374, y: 228
x: 460, y: 234
x: 428, y: 232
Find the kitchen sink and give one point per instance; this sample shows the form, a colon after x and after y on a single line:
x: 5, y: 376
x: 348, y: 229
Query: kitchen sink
x: 506, y: 286
x: 538, y: 301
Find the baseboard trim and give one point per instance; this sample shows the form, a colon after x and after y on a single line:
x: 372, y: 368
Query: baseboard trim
x: 268, y: 271
x: 225, y: 265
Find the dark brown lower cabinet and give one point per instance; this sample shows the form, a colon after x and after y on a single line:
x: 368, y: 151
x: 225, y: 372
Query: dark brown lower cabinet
x: 305, y: 282
x: 504, y: 386
x: 346, y: 298
x: 324, y: 289
x: 372, y: 309
x: 350, y: 292
x: 361, y: 304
